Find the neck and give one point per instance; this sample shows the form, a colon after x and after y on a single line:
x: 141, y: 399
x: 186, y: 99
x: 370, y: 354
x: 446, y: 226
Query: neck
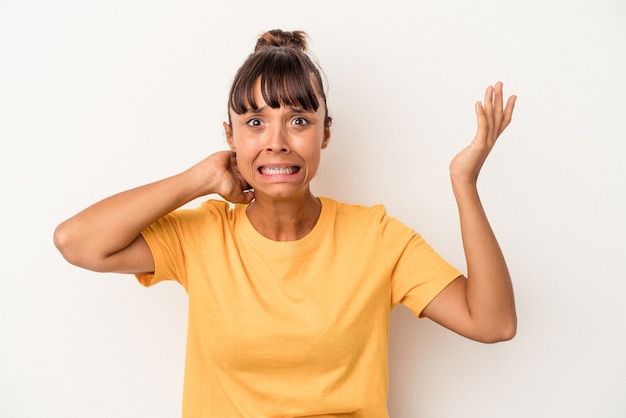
x: 284, y: 220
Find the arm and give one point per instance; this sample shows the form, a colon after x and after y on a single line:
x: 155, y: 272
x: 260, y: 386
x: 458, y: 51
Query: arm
x: 481, y: 306
x: 107, y: 235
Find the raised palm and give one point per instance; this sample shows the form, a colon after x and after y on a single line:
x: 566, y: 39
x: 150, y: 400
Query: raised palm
x: 492, y: 120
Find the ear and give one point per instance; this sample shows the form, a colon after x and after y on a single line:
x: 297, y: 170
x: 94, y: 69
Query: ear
x: 326, y: 140
x: 228, y: 131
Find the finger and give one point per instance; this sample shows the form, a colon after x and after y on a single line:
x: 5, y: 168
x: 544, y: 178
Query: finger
x: 497, y: 102
x: 488, y: 100
x: 508, y: 113
x: 481, y: 120
x: 488, y: 108
x: 498, y: 99
x: 497, y: 106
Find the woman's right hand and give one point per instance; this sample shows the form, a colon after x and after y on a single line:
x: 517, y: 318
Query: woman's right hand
x: 220, y: 174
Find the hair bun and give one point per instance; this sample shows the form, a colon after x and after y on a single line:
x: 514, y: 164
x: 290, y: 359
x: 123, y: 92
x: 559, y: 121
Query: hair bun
x: 278, y: 38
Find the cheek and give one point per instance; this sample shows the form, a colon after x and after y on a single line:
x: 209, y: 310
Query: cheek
x: 244, y: 164
x: 313, y: 156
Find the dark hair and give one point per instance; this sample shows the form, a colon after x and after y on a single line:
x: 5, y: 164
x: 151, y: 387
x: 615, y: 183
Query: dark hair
x: 287, y: 74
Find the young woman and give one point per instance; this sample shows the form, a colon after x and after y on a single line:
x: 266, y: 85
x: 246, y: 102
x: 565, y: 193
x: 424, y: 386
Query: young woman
x: 289, y: 293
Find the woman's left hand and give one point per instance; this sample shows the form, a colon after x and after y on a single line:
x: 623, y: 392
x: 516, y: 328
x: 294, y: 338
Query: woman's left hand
x: 492, y: 119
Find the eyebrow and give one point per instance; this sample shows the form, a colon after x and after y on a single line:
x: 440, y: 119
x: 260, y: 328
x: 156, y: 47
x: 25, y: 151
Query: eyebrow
x: 256, y: 110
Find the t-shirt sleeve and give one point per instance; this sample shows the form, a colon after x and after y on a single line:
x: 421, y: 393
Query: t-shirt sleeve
x: 420, y: 273
x: 164, y: 240
x: 173, y: 237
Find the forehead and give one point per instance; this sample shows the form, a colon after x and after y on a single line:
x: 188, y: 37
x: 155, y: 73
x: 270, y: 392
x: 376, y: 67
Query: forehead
x: 276, y: 87
x: 259, y: 99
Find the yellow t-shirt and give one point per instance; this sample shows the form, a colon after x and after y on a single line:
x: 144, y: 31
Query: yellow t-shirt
x: 291, y: 329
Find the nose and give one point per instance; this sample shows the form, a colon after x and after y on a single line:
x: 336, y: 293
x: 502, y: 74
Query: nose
x: 277, y: 141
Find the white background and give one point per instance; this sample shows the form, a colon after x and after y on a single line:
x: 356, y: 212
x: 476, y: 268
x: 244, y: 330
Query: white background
x: 100, y: 96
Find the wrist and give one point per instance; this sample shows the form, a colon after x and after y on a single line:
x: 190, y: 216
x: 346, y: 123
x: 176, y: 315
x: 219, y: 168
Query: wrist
x: 196, y: 182
x: 464, y: 189
x: 464, y: 183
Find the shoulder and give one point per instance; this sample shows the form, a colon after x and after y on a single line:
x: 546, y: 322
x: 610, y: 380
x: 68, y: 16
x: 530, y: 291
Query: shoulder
x: 217, y: 208
x: 375, y: 219
x: 371, y: 229
x: 372, y: 219
x: 185, y: 218
x: 353, y: 211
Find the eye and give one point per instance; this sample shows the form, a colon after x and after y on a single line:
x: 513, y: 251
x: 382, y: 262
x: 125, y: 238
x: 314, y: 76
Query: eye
x: 300, y: 121
x: 254, y: 122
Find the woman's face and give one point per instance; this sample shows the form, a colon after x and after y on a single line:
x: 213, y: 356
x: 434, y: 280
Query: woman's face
x: 278, y: 150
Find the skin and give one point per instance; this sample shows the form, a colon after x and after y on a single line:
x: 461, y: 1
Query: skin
x: 106, y: 236
x: 481, y: 306
x: 278, y: 154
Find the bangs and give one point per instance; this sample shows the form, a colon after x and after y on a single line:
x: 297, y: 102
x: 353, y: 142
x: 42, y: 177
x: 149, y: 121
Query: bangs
x: 285, y: 77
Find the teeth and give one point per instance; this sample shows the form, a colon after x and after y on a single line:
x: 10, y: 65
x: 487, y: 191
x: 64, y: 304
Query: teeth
x: 277, y: 170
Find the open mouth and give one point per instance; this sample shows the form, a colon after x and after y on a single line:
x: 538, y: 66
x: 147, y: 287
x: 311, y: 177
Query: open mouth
x: 273, y: 171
